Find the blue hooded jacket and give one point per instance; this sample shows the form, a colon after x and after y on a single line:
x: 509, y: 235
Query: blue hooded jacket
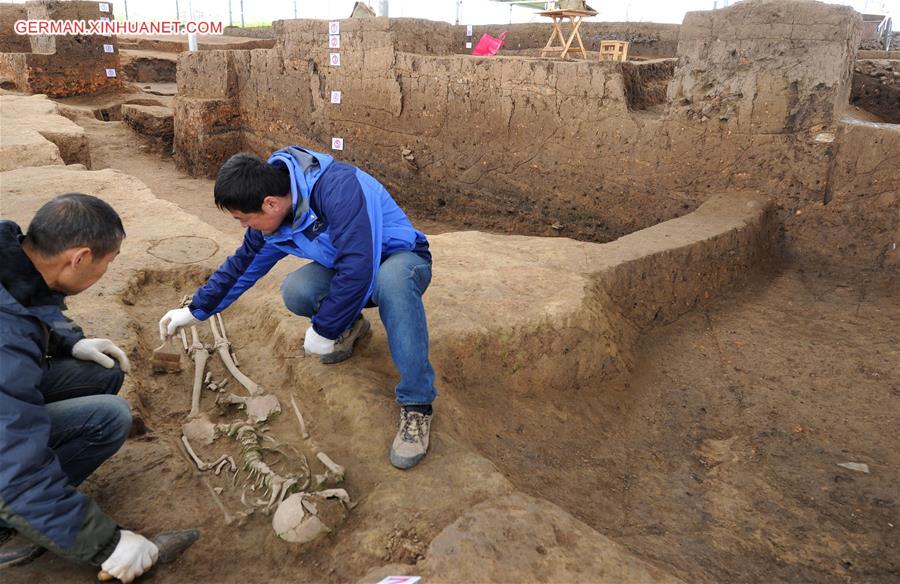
x: 342, y: 218
x: 36, y: 497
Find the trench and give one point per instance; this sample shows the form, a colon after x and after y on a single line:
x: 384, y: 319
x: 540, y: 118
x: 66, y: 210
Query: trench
x: 165, y: 398
x: 875, y: 89
x: 162, y: 402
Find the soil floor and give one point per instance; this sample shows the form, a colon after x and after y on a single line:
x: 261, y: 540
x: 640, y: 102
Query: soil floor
x: 717, y: 460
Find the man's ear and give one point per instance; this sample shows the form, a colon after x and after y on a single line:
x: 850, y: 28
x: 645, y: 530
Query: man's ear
x: 80, y: 256
x: 272, y: 202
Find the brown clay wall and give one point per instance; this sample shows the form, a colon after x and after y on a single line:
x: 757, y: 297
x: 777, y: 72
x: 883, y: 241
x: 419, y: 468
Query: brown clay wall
x: 756, y: 69
x: 876, y: 88
x: 549, y: 147
x: 14, y: 71
x: 646, y: 39
x: 61, y: 65
x: 255, y: 32
x: 10, y: 42
x: 56, y: 77
x: 425, y: 37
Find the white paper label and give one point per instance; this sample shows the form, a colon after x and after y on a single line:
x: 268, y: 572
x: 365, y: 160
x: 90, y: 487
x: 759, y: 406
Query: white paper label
x: 109, y: 49
x: 104, y: 7
x: 334, y: 41
x: 400, y: 580
x: 334, y: 27
x: 337, y: 143
x: 106, y: 18
x: 335, y: 97
x: 335, y: 59
x: 468, y: 30
x: 469, y: 45
x: 110, y: 72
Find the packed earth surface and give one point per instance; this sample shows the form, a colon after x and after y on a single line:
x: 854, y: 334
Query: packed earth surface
x: 664, y: 309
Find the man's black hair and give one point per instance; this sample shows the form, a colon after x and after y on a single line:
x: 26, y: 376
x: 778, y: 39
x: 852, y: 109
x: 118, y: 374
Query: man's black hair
x: 245, y: 180
x: 75, y: 220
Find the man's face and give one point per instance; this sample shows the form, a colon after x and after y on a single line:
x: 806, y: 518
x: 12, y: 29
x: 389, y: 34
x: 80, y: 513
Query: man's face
x: 268, y: 218
x: 82, y: 270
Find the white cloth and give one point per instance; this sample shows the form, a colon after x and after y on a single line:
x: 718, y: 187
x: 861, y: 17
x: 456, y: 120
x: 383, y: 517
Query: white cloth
x: 98, y: 351
x: 134, y: 555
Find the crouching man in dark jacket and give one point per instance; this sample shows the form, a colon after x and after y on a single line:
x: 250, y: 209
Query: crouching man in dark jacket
x: 60, y: 417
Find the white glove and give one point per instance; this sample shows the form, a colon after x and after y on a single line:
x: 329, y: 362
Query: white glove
x: 316, y: 344
x: 134, y: 555
x: 96, y: 350
x: 174, y: 320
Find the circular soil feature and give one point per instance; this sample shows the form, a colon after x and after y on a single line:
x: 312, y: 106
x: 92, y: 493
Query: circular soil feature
x: 184, y: 249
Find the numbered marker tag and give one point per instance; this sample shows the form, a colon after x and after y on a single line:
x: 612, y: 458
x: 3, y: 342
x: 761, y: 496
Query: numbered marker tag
x: 335, y: 97
x: 337, y: 143
x: 400, y: 580
x: 469, y: 45
x: 106, y: 18
x: 109, y: 49
x: 335, y: 59
x: 104, y: 7
x: 110, y: 72
x: 468, y: 30
x: 334, y: 27
x: 334, y: 41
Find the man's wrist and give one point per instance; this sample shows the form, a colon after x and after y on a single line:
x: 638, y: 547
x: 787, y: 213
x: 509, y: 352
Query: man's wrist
x: 108, y: 548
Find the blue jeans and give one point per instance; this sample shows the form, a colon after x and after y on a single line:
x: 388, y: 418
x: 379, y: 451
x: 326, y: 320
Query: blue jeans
x: 88, y: 421
x: 402, y: 280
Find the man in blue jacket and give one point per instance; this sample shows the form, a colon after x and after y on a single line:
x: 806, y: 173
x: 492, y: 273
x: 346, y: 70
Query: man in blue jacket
x: 60, y: 417
x: 365, y: 252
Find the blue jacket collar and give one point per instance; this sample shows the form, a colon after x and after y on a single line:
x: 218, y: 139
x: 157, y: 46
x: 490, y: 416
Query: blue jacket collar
x: 21, y: 286
x: 305, y: 167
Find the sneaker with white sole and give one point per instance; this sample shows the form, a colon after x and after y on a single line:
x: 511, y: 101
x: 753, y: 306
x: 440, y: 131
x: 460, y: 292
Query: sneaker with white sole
x: 411, y: 442
x: 344, y: 344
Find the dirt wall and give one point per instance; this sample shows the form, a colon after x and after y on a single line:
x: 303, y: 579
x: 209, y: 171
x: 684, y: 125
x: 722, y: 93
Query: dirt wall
x: 549, y: 147
x: 256, y: 32
x: 754, y: 68
x: 646, y: 39
x: 60, y: 65
x: 13, y: 70
x: 148, y: 69
x: 876, y: 88
x: 10, y: 42
x: 426, y: 37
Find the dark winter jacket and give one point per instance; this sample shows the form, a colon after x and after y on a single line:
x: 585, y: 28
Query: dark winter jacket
x: 341, y: 218
x: 35, y: 495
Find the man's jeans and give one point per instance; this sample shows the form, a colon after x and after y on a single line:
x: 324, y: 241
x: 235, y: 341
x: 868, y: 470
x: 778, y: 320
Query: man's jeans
x: 401, y: 281
x: 88, y: 421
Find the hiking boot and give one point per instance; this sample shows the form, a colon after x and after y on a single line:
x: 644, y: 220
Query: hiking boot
x: 18, y: 551
x: 344, y: 344
x: 411, y: 442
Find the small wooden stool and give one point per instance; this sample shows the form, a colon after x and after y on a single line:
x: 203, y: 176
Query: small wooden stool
x: 613, y: 50
x: 575, y: 17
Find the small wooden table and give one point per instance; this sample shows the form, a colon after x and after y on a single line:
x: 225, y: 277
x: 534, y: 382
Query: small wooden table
x: 575, y: 17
